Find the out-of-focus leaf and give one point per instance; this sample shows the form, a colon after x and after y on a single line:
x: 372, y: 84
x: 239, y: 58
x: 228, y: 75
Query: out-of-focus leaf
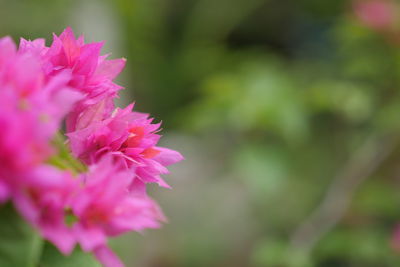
x: 345, y: 98
x: 366, y: 244
x: 51, y: 257
x: 20, y: 245
x: 275, y: 252
x: 255, y: 95
x: 264, y: 171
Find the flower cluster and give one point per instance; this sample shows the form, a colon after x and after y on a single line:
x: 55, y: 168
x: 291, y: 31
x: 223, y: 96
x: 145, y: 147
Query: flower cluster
x: 115, y: 149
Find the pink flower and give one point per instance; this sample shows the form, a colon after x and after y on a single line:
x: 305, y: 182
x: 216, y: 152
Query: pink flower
x: 91, y: 74
x: 104, y: 207
x: 40, y: 87
x: 395, y: 241
x: 42, y: 196
x: 23, y: 144
x: 131, y: 138
x: 376, y: 14
x: 31, y: 108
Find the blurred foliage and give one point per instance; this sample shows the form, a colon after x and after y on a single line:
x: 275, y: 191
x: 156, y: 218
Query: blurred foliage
x: 280, y: 95
x: 50, y: 257
x: 17, y: 238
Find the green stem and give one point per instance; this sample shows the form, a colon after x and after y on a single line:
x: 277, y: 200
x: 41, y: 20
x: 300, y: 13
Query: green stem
x: 64, y: 159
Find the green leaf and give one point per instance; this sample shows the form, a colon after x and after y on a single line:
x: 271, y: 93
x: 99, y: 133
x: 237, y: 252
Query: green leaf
x: 20, y: 245
x: 51, y: 257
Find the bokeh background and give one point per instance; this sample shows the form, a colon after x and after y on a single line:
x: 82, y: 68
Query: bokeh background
x: 287, y: 111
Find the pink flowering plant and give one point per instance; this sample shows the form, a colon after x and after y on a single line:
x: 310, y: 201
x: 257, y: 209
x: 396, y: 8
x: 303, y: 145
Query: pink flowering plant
x: 70, y: 190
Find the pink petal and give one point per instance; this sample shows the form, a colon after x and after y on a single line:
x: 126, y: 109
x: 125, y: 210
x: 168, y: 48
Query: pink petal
x: 107, y: 257
x: 94, y: 113
x: 36, y: 47
x: 109, y: 69
x: 88, y: 58
x: 7, y: 49
x: 61, y: 238
x: 168, y: 156
x: 89, y: 238
x: 4, y: 192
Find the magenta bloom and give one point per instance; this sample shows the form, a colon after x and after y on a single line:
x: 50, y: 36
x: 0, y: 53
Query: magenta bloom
x: 376, y: 14
x: 42, y: 197
x: 31, y: 108
x: 40, y: 87
x: 131, y: 138
x: 104, y: 207
x: 92, y: 74
x: 395, y: 241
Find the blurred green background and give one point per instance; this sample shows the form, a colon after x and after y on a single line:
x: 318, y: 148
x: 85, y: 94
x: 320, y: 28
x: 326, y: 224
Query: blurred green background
x: 287, y: 112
